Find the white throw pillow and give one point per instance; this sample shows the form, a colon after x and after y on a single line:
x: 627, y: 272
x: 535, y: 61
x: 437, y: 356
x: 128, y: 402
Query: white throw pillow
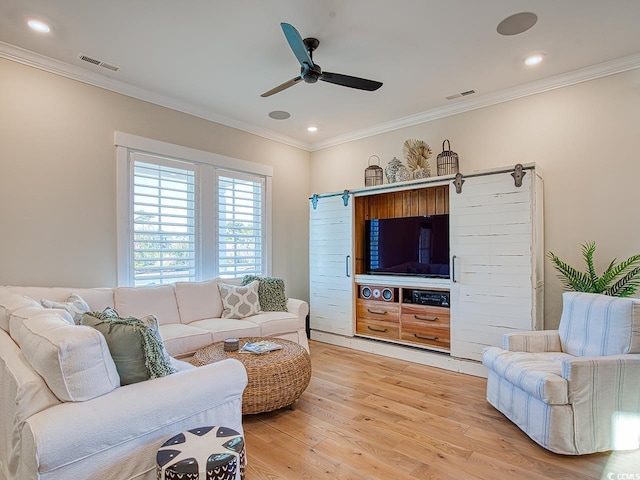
x: 9, y: 303
x: 75, y: 305
x: 239, y: 302
x: 74, y: 360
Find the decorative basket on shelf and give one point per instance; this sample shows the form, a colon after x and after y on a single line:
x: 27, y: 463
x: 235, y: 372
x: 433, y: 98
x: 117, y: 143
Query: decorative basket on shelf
x: 447, y: 160
x: 373, y: 173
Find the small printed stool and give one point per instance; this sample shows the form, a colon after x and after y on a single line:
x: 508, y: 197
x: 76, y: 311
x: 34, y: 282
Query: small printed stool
x: 205, y: 453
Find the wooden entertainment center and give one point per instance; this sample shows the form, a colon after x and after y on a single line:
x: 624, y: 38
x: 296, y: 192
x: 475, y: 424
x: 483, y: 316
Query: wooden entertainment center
x: 495, y: 284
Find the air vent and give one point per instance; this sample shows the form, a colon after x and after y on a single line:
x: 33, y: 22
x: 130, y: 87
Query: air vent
x: 461, y: 94
x: 99, y: 63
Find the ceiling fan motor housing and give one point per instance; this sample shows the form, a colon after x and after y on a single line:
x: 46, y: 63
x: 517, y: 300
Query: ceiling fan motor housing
x: 310, y: 74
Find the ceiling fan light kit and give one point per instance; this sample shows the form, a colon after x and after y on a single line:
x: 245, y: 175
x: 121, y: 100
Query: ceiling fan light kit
x: 311, y: 72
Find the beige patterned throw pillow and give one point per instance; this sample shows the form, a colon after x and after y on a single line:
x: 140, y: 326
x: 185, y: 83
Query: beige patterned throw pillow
x: 239, y: 302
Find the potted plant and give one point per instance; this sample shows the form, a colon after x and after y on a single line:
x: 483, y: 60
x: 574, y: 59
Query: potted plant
x: 618, y: 280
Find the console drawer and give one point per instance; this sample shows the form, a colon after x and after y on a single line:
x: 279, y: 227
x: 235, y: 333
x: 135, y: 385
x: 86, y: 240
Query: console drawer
x: 430, y: 316
x: 416, y: 331
x: 377, y: 311
x: 378, y: 328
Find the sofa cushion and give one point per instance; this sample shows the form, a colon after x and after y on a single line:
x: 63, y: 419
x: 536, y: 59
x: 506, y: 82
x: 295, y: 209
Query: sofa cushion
x: 74, y: 304
x: 141, y: 301
x: 74, y: 360
x: 18, y: 317
x: 198, y: 300
x: 538, y: 374
x: 271, y: 293
x: 223, y: 328
x: 9, y: 303
x: 276, y: 323
x: 135, y: 345
x: 595, y: 325
x: 239, y: 301
x: 183, y: 340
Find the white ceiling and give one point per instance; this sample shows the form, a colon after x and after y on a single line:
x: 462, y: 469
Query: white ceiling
x: 214, y: 58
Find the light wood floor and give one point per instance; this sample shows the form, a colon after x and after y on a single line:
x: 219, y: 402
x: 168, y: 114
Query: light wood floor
x: 365, y: 416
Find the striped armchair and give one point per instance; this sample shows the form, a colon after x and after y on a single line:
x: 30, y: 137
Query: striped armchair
x: 574, y: 390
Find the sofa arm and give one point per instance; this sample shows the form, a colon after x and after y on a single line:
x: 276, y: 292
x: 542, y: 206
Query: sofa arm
x: 299, y: 307
x: 604, y: 393
x: 131, y: 422
x: 532, y: 342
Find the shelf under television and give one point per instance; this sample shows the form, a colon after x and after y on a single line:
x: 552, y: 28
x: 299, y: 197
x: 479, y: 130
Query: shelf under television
x: 404, y: 281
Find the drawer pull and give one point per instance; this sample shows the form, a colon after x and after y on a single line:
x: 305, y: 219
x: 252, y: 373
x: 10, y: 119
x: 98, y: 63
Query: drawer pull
x: 428, y: 319
x: 381, y: 330
x: 375, y: 312
x: 425, y: 338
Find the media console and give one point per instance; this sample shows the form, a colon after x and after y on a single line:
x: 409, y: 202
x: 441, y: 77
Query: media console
x: 405, y: 315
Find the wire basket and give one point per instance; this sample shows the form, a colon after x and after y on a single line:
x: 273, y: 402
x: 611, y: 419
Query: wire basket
x: 373, y: 173
x: 447, y: 161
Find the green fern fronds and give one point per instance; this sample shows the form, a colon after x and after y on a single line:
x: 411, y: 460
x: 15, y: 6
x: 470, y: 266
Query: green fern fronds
x: 618, y: 280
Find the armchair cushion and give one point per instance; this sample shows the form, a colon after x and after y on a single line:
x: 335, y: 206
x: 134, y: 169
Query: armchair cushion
x: 596, y: 325
x: 538, y: 374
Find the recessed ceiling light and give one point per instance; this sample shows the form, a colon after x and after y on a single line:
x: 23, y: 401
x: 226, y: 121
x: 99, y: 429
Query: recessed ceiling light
x: 535, y: 59
x: 517, y: 23
x: 279, y: 115
x: 39, y: 26
x: 312, y: 129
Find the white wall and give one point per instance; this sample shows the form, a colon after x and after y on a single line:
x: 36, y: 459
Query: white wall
x: 585, y: 137
x: 58, y: 178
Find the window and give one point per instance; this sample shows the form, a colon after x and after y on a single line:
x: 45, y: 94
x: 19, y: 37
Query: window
x: 240, y: 226
x: 185, y: 215
x: 163, y: 222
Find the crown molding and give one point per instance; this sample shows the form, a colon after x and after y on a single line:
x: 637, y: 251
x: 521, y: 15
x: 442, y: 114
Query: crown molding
x: 585, y: 74
x: 42, y: 62
x: 36, y: 60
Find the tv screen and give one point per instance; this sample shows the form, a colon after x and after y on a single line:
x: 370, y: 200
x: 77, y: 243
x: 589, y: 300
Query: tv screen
x: 417, y: 246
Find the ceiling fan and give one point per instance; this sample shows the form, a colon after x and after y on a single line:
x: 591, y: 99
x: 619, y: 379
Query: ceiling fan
x: 310, y: 72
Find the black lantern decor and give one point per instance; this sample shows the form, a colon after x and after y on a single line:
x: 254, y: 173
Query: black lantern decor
x: 447, y: 161
x: 373, y: 173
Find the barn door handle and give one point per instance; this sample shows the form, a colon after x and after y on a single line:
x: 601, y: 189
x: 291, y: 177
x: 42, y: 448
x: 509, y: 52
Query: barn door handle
x: 347, y: 261
x: 453, y: 269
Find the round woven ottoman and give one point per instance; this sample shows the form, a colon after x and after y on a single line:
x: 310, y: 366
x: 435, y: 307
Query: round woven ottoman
x: 205, y: 453
x: 275, y: 379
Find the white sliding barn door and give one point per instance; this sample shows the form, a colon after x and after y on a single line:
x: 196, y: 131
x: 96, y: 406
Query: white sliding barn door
x: 331, y: 265
x: 496, y: 245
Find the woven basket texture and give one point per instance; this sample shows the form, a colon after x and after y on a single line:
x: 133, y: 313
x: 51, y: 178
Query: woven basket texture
x: 275, y: 379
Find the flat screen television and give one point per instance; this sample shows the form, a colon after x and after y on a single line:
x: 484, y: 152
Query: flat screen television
x: 415, y: 246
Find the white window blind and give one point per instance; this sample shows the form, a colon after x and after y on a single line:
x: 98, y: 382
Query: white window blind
x: 240, y: 224
x: 163, y: 221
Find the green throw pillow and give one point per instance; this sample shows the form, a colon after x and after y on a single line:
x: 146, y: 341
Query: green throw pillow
x: 271, y: 293
x: 135, y: 345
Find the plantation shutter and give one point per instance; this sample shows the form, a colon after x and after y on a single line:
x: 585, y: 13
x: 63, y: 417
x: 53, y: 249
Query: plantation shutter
x: 241, y: 233
x: 163, y: 223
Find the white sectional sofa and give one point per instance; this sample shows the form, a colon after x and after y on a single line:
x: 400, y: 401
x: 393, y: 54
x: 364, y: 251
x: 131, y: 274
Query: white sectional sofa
x: 115, y: 435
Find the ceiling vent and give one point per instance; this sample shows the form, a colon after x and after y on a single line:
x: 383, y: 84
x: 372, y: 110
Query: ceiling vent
x: 461, y: 94
x: 99, y: 63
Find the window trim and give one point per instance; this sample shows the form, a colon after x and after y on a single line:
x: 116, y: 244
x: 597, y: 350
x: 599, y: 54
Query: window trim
x: 125, y: 143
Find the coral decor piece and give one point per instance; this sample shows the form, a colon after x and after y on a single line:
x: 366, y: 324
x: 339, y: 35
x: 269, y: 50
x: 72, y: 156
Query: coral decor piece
x: 417, y: 153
